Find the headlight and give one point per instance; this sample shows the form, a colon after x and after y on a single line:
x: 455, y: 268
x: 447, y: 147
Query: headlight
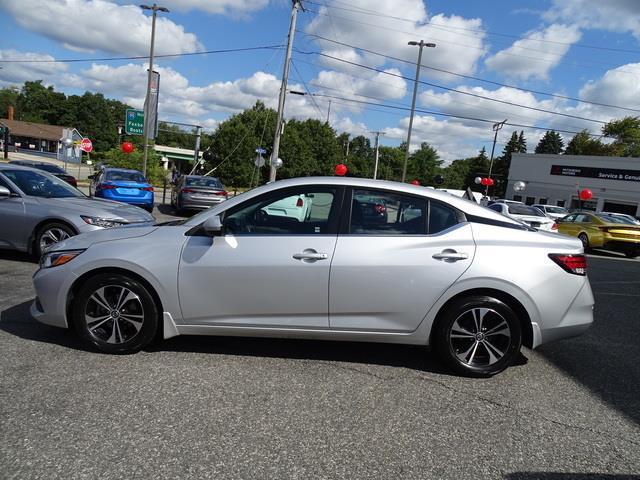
x: 102, y: 222
x: 55, y: 259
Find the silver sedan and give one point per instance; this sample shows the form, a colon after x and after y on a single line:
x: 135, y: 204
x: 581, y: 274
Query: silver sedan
x: 317, y: 258
x: 38, y: 210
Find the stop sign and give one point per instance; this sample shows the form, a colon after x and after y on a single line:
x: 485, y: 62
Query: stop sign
x: 86, y: 145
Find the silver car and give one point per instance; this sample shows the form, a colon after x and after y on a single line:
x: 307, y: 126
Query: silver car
x: 38, y: 210
x: 196, y: 192
x: 438, y: 271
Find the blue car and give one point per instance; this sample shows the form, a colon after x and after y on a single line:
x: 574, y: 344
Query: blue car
x: 123, y: 185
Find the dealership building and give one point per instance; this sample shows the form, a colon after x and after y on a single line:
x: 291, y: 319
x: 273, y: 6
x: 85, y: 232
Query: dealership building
x: 557, y: 179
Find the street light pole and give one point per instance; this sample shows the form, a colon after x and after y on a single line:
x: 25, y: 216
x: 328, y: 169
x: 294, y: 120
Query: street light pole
x: 421, y: 44
x: 377, y: 149
x: 145, y: 131
x: 283, y: 91
x: 496, y: 128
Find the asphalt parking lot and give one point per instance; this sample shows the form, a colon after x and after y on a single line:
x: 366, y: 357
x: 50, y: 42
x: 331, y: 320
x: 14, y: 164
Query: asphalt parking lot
x: 215, y: 407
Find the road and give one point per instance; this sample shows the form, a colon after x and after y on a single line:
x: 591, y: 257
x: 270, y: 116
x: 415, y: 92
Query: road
x: 215, y: 407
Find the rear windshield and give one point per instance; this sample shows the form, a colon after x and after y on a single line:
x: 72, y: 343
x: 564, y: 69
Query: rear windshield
x: 615, y: 219
x: 114, y: 176
x: 524, y: 210
x: 556, y: 210
x: 204, y: 182
x: 49, y: 168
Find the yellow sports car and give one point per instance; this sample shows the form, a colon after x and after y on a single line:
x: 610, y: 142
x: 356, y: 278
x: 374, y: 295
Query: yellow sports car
x: 599, y: 230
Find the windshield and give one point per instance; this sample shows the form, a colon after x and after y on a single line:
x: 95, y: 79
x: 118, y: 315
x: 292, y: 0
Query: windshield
x: 122, y: 176
x: 524, y: 210
x: 203, y: 182
x: 557, y: 210
x: 40, y: 184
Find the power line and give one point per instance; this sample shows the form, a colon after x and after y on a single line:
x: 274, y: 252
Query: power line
x: 451, y: 115
x: 488, y: 32
x: 475, y: 47
x: 442, y: 87
x: 313, y: 100
x: 471, y: 77
x: 146, y: 57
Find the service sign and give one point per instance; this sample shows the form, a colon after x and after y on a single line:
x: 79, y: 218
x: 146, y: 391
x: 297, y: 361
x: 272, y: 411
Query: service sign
x: 596, y: 172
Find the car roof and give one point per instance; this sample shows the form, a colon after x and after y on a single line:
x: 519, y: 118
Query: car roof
x: 200, y: 176
x: 115, y: 169
x: 14, y: 166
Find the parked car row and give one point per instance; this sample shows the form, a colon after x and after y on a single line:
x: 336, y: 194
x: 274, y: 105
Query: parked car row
x: 40, y: 206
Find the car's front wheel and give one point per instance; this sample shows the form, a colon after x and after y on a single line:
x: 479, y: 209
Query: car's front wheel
x: 50, y: 234
x: 478, y: 336
x: 115, y: 313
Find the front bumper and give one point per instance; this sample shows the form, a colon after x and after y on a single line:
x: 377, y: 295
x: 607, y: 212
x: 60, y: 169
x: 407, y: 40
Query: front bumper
x: 52, y: 286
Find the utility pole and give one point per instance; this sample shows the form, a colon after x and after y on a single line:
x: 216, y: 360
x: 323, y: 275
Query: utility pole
x: 196, y: 151
x: 329, y: 111
x: 145, y: 131
x: 377, y: 148
x: 283, y: 91
x: 496, y: 128
x: 421, y: 44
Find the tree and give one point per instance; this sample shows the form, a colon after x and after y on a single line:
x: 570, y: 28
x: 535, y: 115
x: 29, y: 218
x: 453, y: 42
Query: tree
x: 422, y: 164
x: 522, y: 143
x: 40, y: 104
x: 583, y: 144
x: 8, y: 96
x: 551, y: 143
x: 626, y: 135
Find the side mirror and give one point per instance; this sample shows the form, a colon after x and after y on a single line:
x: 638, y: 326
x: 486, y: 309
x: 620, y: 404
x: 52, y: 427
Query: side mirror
x: 212, y: 226
x: 4, y: 192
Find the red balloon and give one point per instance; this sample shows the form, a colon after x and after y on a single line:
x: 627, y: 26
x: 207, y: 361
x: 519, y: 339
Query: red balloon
x: 586, y: 194
x: 415, y: 182
x: 490, y: 182
x: 127, y: 147
x: 485, y: 181
x: 341, y: 169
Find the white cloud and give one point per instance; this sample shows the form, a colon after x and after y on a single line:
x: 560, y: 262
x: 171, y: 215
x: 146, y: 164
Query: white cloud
x: 612, y: 15
x: 456, y: 50
x: 346, y: 125
x: 178, y: 98
x: 225, y: 7
x: 520, y: 61
x: 18, y: 73
x: 100, y: 25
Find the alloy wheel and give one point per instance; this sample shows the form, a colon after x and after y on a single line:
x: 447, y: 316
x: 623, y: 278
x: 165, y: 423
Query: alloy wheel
x: 480, y: 337
x: 114, y: 314
x: 52, y: 236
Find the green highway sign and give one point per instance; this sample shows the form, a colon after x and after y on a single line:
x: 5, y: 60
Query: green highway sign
x: 134, y: 122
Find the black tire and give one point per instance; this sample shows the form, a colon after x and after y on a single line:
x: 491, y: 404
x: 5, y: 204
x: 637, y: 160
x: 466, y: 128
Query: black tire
x: 583, y: 237
x: 468, y: 353
x: 632, y: 254
x: 50, y: 234
x: 129, y: 330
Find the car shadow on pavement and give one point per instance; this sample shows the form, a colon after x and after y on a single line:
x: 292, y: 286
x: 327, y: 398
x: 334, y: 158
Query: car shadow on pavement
x: 605, y: 358
x: 15, y: 256
x: 17, y: 321
x: 384, y: 354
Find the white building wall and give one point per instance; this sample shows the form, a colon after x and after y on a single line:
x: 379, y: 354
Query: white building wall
x: 611, y: 179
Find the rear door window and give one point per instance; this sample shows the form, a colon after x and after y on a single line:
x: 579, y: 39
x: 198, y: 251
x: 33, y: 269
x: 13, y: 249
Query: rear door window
x: 378, y: 212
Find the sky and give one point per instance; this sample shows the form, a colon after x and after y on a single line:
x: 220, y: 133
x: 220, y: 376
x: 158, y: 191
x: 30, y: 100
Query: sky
x: 555, y: 64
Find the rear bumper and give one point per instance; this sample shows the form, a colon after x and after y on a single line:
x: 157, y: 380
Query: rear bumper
x: 200, y: 204
x: 622, y: 245
x: 141, y: 201
x: 576, y: 320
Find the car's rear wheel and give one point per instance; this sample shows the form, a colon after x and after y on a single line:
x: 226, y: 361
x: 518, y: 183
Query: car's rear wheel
x: 115, y: 314
x: 585, y: 241
x: 50, y: 234
x: 478, y: 336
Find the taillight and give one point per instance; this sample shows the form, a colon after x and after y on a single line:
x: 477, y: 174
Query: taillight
x: 554, y: 226
x: 102, y: 186
x: 147, y: 189
x: 380, y: 208
x: 604, y: 229
x: 299, y: 203
x: 186, y: 190
x: 572, y: 263
x: 224, y: 193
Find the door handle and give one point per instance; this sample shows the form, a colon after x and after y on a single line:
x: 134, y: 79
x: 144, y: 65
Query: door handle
x: 450, y: 255
x: 310, y: 256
